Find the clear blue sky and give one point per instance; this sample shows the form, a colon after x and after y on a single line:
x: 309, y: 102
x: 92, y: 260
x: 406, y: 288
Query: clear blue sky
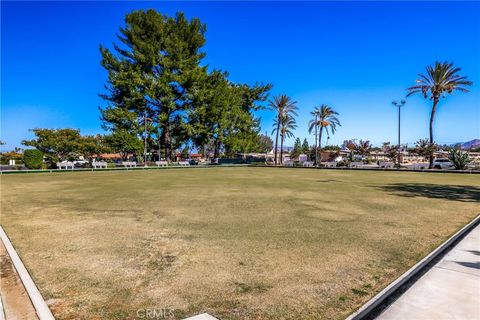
x: 356, y: 57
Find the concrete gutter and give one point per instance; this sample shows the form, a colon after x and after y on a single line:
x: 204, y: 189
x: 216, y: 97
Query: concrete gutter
x: 39, y: 304
x: 368, y: 307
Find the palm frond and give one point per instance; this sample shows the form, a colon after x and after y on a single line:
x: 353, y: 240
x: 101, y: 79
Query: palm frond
x: 439, y: 79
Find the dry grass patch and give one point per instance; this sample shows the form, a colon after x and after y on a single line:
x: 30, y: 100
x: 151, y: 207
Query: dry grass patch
x: 235, y: 242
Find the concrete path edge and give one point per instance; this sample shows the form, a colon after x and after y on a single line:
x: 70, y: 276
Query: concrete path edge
x: 34, y: 294
x: 390, y: 289
x: 2, y: 311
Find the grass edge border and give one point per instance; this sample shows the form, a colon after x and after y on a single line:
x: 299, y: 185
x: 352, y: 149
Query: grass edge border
x: 31, y: 171
x: 41, y: 307
x: 366, y: 309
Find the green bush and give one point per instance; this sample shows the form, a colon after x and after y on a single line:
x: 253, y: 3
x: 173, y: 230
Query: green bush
x: 33, y: 158
x: 459, y: 159
x: 342, y: 163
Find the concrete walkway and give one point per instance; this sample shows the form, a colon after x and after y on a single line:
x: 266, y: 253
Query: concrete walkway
x: 449, y: 290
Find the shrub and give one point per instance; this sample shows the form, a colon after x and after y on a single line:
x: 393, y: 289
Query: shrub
x: 459, y: 159
x: 342, y: 163
x: 86, y: 165
x: 33, y: 158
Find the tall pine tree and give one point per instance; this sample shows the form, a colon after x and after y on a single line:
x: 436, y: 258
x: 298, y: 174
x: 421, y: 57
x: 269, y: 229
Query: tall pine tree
x: 151, y: 76
x: 155, y: 76
x: 305, y: 146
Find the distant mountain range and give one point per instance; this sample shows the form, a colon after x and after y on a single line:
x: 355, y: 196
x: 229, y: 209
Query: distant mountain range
x: 472, y: 144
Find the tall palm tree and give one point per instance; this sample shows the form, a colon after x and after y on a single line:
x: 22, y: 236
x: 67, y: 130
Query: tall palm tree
x: 283, y: 105
x: 286, y: 131
x: 324, y: 118
x: 440, y: 79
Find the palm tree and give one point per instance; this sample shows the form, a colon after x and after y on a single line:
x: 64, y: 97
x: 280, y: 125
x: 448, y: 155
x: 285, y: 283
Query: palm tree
x: 283, y: 105
x: 324, y: 118
x: 440, y: 79
x: 287, y: 124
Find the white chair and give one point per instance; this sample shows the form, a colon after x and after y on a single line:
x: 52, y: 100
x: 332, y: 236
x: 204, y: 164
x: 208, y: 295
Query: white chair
x: 184, y: 163
x: 161, y: 163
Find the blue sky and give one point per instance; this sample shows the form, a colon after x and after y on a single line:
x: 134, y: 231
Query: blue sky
x: 357, y: 57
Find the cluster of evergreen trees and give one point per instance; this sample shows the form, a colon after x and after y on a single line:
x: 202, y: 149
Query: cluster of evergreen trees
x: 158, y: 91
x: 300, y: 148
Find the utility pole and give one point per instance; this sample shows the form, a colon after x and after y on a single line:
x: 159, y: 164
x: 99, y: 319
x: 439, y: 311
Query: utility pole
x: 399, y: 105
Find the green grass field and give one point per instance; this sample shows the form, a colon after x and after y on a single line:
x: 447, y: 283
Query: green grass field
x: 256, y: 243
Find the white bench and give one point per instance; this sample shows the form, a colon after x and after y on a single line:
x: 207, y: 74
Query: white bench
x: 288, y: 163
x: 65, y: 165
x: 307, y: 164
x: 355, y: 165
x: 161, y: 163
x: 99, y: 164
x: 130, y: 164
x: 385, y: 164
x: 184, y: 163
x: 330, y: 164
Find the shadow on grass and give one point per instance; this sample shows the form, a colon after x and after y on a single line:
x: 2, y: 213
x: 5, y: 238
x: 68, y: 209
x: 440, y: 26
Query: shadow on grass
x: 435, y: 191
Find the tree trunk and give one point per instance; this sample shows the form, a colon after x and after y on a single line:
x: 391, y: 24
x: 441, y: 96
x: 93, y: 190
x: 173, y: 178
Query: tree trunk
x: 167, y: 143
x: 320, y: 146
x: 316, y: 142
x: 159, y: 144
x: 216, y: 151
x: 432, y: 116
x: 276, y: 141
x: 281, y: 149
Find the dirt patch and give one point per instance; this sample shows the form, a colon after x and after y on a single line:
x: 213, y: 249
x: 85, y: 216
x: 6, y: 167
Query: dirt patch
x: 15, y: 299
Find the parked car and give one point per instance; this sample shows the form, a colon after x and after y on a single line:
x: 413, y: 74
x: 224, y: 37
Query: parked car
x: 442, y: 163
x: 80, y: 163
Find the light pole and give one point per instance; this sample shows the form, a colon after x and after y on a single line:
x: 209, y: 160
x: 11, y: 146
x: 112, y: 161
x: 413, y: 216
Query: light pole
x: 145, y: 119
x: 399, y: 105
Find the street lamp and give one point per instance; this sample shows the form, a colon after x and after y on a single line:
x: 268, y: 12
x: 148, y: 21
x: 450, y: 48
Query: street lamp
x: 399, y: 105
